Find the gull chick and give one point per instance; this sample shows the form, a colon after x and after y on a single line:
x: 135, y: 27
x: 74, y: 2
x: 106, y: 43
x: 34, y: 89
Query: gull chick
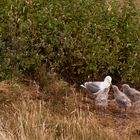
x: 122, y: 100
x: 101, y: 101
x: 133, y: 94
x: 95, y: 87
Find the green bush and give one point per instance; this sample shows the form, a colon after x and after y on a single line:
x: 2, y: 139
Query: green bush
x: 77, y: 39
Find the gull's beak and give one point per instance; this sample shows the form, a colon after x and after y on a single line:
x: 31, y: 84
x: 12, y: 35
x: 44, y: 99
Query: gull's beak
x: 110, y: 83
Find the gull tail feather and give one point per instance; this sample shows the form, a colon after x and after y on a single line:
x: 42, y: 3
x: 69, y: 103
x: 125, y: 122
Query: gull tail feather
x: 83, y: 86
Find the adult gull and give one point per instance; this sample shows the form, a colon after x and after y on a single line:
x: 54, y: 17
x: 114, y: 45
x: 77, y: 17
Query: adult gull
x: 95, y: 87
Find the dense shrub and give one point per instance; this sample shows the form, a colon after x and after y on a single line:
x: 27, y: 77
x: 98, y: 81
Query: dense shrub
x: 77, y: 39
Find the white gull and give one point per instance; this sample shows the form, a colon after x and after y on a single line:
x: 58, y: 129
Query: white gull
x: 95, y: 87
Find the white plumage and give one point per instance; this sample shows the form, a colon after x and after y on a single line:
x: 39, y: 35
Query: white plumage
x: 95, y: 87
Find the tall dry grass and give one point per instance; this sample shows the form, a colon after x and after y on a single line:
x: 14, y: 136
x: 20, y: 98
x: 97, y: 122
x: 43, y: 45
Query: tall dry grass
x: 31, y: 120
x: 26, y: 113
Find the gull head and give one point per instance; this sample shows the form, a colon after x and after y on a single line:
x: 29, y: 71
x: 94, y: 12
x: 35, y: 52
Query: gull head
x: 115, y: 88
x: 108, y: 79
x: 125, y: 86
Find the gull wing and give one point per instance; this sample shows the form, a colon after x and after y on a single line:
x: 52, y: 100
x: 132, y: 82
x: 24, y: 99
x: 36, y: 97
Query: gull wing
x: 93, y: 86
x: 134, y: 91
x: 123, y: 100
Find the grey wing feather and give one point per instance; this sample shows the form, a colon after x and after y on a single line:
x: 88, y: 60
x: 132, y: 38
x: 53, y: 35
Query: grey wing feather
x: 92, y: 86
x: 133, y: 94
x: 132, y: 90
x: 123, y: 101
